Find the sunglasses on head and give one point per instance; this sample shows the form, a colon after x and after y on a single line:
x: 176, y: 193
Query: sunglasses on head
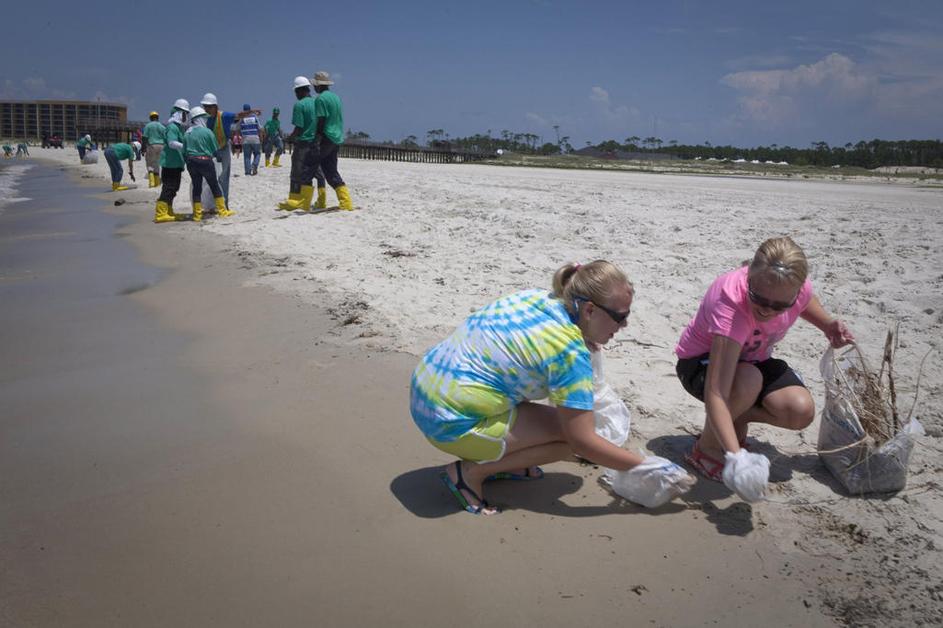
x: 617, y: 317
x: 776, y: 306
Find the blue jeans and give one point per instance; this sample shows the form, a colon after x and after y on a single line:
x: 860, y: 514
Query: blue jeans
x: 224, y: 157
x: 250, y: 156
x: 273, y: 142
x: 114, y: 164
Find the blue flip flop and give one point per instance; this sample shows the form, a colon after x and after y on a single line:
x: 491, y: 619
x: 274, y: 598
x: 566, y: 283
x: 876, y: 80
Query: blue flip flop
x: 525, y: 477
x: 457, y: 487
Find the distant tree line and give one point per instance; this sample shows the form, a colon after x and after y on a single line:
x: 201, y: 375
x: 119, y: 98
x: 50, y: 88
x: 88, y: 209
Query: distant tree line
x: 864, y: 154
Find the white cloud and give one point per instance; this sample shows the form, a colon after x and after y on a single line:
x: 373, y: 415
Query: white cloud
x: 614, y: 115
x: 782, y: 96
x: 32, y: 88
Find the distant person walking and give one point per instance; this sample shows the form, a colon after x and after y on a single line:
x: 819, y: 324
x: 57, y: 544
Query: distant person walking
x: 113, y: 155
x: 250, y: 127
x: 172, y: 162
x: 22, y: 149
x: 330, y: 135
x: 273, y: 139
x: 201, y: 149
x: 153, y: 143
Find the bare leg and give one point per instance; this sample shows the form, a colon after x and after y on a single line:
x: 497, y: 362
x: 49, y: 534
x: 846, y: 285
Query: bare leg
x: 747, y: 383
x: 535, y: 439
x: 791, y: 408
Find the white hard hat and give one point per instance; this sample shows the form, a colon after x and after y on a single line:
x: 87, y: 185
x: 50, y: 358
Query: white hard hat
x: 302, y: 81
x: 88, y: 137
x: 209, y: 98
x: 182, y: 104
x: 136, y: 144
x: 197, y: 111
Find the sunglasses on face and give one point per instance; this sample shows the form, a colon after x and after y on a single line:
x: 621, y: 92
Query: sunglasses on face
x: 776, y: 306
x: 617, y: 317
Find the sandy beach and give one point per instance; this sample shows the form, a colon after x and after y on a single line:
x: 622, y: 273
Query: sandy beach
x: 278, y: 477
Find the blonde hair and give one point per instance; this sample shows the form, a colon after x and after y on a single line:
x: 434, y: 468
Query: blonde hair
x: 779, y: 261
x: 595, y: 281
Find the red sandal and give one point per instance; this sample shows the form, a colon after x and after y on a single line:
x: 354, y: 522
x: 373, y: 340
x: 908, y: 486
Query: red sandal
x: 709, y: 467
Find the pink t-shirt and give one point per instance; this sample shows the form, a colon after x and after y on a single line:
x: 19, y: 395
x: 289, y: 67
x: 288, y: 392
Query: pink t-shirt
x: 725, y: 311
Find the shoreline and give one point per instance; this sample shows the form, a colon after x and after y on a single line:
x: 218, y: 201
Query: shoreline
x: 584, y: 568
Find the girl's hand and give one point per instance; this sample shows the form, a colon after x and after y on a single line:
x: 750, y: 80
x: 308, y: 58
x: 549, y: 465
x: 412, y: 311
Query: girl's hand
x: 838, y: 334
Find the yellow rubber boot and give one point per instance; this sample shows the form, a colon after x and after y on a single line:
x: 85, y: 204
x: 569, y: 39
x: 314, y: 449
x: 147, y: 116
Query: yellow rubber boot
x: 150, y: 179
x: 343, y: 198
x: 267, y: 162
x: 156, y: 180
x: 177, y: 217
x: 294, y: 202
x: 321, y: 203
x: 162, y: 213
x: 197, y: 211
x: 275, y: 161
x: 221, y: 207
x: 117, y: 187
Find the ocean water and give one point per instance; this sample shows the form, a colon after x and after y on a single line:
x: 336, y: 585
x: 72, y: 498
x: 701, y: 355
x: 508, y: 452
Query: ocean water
x: 11, y: 176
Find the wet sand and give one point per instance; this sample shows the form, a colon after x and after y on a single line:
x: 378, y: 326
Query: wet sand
x: 180, y: 448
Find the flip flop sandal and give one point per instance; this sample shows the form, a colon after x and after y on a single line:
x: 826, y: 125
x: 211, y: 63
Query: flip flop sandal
x: 709, y: 467
x: 458, y: 486
x: 526, y: 476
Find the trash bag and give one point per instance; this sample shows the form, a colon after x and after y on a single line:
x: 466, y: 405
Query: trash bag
x: 864, y: 467
x: 653, y: 483
x: 613, y: 420
x: 91, y: 157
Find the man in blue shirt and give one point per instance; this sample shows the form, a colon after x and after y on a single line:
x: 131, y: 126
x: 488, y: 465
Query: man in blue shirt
x: 220, y: 123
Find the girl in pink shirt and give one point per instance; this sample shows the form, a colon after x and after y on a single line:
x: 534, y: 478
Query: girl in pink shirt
x: 724, y: 355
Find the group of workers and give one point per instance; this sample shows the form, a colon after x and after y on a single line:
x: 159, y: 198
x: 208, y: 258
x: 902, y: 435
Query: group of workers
x: 473, y: 394
x: 199, y: 139
x: 22, y: 150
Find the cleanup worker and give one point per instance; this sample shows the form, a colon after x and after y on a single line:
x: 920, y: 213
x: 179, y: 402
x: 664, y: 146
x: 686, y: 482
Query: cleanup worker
x: 330, y: 135
x: 303, y: 156
x: 172, y: 163
x: 84, y: 144
x: 220, y: 123
x: 153, y: 143
x: 201, y: 147
x: 113, y: 155
x: 250, y: 127
x: 273, y: 139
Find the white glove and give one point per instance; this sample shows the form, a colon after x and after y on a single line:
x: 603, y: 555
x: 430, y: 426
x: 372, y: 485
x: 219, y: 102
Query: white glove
x: 653, y: 483
x: 746, y: 474
x: 176, y: 145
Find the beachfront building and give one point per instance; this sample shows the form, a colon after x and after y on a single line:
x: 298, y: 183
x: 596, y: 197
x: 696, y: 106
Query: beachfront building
x: 69, y: 119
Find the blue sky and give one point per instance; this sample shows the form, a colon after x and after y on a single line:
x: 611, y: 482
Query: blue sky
x: 744, y: 73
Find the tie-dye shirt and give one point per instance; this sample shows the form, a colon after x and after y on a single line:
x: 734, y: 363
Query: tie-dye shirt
x: 521, y: 347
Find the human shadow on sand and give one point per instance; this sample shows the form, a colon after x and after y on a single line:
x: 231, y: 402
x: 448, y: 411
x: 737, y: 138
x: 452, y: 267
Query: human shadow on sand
x: 424, y: 494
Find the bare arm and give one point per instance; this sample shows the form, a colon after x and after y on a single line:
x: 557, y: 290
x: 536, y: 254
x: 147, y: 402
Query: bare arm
x: 834, y: 329
x: 579, y: 429
x: 724, y: 356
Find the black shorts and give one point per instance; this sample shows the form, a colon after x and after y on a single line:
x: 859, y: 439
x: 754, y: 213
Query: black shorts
x: 776, y: 374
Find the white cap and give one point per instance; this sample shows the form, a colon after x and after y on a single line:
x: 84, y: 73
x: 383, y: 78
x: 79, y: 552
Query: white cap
x: 137, y: 145
x: 302, y: 81
x: 197, y: 112
x: 182, y: 104
x: 88, y: 137
x: 209, y: 98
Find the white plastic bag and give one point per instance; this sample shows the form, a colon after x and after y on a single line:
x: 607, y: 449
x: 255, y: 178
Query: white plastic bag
x: 613, y: 421
x: 653, y: 483
x: 746, y: 474
x: 861, y: 468
x: 91, y: 157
